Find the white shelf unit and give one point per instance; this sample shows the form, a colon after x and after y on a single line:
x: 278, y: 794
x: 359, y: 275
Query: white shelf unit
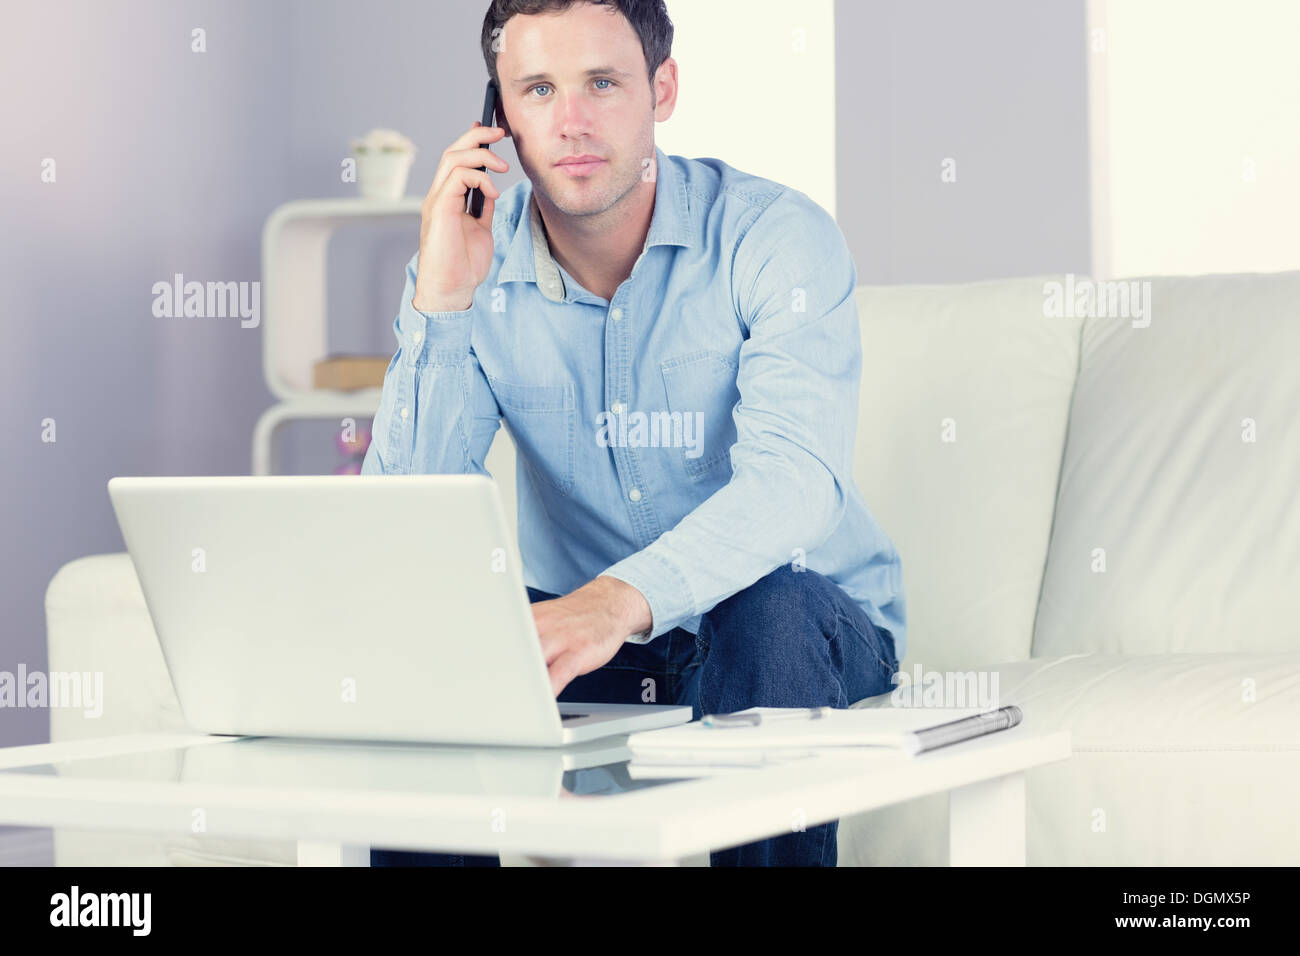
x: 295, y: 247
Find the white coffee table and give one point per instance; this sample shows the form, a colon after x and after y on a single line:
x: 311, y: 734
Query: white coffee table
x: 339, y: 799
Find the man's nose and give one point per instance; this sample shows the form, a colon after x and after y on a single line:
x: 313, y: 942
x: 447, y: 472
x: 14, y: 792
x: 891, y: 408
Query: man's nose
x: 575, y: 115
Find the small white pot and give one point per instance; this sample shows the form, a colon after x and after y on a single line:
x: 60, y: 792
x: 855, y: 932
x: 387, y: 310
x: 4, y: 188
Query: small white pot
x: 383, y: 174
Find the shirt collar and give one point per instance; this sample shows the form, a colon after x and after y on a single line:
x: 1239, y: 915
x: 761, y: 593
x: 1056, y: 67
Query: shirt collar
x: 528, y: 258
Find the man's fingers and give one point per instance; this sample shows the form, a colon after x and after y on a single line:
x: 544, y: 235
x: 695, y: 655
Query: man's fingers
x: 561, y: 673
x: 468, y: 158
x: 551, y: 641
x: 475, y: 138
x: 552, y: 644
x: 477, y: 135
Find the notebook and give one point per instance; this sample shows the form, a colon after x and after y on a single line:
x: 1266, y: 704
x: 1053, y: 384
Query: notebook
x: 785, y: 734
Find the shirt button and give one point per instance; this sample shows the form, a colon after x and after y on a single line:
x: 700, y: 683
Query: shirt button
x: 617, y: 408
x: 635, y: 494
x: 405, y: 411
x: 417, y: 337
x: 616, y: 314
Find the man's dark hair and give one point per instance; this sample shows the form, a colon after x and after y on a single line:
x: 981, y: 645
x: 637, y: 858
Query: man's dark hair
x: 649, y: 18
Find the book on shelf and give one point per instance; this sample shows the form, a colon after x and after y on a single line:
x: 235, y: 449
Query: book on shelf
x: 347, y: 373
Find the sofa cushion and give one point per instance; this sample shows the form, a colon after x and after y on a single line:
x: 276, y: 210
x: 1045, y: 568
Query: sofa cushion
x: 962, y: 420
x: 1178, y: 520
x: 1179, y: 760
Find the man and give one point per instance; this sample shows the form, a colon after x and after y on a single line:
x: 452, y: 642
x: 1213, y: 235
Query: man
x: 674, y: 347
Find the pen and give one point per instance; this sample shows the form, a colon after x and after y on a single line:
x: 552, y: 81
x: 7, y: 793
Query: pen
x: 723, y: 721
x: 955, y: 731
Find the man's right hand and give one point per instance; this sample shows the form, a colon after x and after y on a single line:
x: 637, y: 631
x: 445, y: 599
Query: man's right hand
x: 455, y: 248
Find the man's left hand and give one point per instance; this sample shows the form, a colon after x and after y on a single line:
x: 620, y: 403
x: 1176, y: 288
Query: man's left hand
x: 583, y: 630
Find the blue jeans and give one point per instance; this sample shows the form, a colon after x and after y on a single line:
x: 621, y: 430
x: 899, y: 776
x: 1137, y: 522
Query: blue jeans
x: 792, y: 639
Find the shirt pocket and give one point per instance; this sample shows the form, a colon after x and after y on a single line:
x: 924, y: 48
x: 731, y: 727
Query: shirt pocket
x: 702, y: 385
x: 542, y: 420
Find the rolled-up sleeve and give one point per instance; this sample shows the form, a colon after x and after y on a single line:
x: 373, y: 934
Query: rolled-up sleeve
x: 793, y: 283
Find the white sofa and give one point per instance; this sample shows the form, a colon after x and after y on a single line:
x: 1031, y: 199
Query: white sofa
x: 1080, y: 511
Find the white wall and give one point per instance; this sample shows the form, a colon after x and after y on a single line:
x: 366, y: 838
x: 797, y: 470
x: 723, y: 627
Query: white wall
x: 757, y: 89
x: 1196, y: 135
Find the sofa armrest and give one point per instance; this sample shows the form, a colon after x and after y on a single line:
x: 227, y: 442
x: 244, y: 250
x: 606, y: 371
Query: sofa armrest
x: 97, y: 622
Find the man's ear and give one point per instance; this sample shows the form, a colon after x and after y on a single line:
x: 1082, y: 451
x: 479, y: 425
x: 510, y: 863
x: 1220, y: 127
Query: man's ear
x: 664, y: 89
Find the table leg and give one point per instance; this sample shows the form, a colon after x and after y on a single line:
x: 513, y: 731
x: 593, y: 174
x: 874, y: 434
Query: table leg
x: 986, y: 822
x: 311, y: 853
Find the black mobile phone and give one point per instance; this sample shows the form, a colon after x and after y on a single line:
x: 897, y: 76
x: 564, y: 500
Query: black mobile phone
x: 475, y: 207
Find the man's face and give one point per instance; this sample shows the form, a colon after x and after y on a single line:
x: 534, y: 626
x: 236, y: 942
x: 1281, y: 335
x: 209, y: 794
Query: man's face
x: 574, y: 84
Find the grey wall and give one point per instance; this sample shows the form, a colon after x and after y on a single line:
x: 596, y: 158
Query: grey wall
x: 170, y: 161
x: 153, y: 177
x: 1000, y: 86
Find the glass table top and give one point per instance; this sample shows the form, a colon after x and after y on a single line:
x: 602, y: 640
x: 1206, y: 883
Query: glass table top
x: 592, y: 769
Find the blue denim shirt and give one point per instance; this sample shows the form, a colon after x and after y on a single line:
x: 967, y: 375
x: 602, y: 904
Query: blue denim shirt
x: 688, y: 436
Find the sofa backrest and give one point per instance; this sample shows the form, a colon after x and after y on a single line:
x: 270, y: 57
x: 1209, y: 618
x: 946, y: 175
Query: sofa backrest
x: 1178, y: 518
x: 964, y: 403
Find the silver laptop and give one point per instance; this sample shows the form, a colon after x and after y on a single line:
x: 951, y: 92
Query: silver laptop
x: 351, y: 607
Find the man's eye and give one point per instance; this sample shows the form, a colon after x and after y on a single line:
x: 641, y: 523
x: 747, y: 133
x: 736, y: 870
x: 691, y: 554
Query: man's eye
x: 603, y: 87
x: 599, y: 79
